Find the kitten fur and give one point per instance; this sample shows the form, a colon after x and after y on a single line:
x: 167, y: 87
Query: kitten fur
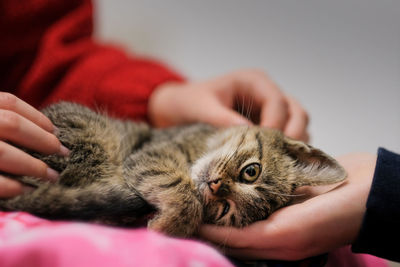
x: 120, y: 172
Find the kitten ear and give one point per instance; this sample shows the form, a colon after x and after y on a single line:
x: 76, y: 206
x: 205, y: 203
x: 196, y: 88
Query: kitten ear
x: 311, y: 165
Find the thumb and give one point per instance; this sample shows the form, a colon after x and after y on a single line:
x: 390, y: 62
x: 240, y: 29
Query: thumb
x: 219, y: 115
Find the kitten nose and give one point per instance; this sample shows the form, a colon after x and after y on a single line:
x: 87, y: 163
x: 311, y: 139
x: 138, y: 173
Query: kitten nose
x: 215, y: 185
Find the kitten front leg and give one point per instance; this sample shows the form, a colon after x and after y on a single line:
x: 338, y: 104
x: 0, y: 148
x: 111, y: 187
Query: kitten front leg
x: 179, y: 213
x: 162, y: 179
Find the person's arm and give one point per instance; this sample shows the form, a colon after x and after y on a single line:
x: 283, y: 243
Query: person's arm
x: 380, y: 228
x: 48, y: 54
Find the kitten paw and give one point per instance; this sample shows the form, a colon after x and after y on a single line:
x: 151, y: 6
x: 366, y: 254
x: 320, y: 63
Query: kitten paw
x: 177, y: 227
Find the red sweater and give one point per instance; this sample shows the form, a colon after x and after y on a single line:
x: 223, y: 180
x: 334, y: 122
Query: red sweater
x: 47, y: 54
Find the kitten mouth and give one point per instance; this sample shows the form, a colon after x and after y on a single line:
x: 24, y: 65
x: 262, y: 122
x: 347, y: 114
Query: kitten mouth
x: 225, y: 209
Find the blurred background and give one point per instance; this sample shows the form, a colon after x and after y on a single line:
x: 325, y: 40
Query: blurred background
x: 340, y: 58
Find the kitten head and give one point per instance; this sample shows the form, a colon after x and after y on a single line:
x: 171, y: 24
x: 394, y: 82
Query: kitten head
x: 247, y: 173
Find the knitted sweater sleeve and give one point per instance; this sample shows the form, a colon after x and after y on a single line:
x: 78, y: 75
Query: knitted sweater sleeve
x: 48, y: 54
x: 380, y: 231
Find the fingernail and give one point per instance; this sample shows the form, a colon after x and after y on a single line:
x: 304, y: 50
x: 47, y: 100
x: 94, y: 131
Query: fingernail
x: 52, y: 175
x: 55, y: 130
x: 27, y: 189
x: 64, y: 151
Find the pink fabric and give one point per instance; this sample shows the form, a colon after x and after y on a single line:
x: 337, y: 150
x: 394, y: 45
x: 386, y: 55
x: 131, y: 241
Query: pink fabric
x: 29, y: 241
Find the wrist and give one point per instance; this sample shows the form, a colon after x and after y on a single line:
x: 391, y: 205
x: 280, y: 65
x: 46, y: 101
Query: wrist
x: 360, y: 168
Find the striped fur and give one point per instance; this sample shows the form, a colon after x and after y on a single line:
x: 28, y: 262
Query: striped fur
x: 121, y: 172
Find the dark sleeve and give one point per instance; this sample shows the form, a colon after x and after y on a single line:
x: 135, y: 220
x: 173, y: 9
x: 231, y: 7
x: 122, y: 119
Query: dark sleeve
x: 48, y: 54
x: 380, y: 230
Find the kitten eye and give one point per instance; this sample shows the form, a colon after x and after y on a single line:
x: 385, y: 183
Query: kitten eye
x: 250, y: 172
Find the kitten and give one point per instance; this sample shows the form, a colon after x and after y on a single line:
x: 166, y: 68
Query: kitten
x: 119, y: 172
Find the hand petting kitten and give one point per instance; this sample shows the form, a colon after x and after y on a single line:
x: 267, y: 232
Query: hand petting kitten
x: 21, y: 125
x: 241, y: 97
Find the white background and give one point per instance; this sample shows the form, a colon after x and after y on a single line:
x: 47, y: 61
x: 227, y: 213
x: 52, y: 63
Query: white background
x: 340, y: 58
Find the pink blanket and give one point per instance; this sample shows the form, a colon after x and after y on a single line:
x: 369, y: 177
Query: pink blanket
x: 26, y: 240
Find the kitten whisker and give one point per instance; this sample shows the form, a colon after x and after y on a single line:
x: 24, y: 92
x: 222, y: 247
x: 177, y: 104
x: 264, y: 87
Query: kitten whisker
x: 242, y: 107
x: 237, y: 147
x: 249, y: 108
x: 237, y: 105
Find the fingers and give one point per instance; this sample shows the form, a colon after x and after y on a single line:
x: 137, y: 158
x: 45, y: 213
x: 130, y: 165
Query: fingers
x: 220, y: 115
x: 270, y: 100
x: 247, y: 237
x: 21, y: 131
x: 273, y: 103
x: 15, y: 161
x: 252, y: 242
x: 24, y: 126
x: 277, y: 110
x: 274, y: 113
x: 296, y: 126
x: 12, y: 103
x: 278, y: 237
x: 9, y: 187
x: 225, y: 236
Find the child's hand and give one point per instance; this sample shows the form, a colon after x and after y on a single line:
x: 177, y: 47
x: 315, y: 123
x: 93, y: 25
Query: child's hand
x: 318, y: 225
x: 23, y: 126
x: 242, y: 97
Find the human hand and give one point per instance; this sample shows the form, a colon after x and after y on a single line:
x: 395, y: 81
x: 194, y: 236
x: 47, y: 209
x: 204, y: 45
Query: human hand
x: 242, y: 97
x: 315, y: 226
x: 23, y: 126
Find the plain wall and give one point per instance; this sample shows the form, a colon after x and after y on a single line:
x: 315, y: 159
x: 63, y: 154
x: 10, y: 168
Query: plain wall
x: 340, y: 59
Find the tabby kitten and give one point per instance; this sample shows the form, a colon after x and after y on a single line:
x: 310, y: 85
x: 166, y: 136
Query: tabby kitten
x: 121, y: 172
